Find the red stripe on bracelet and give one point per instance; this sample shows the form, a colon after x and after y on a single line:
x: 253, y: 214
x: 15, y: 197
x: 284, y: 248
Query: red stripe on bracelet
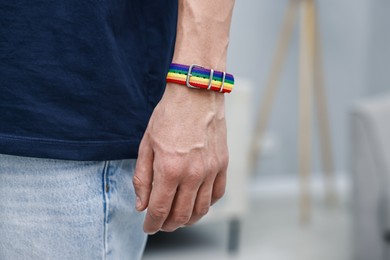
x: 195, y: 76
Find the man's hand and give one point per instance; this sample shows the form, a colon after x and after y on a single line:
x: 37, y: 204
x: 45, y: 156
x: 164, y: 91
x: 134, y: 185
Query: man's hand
x: 183, y: 158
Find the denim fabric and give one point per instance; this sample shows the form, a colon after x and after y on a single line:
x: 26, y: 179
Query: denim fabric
x: 55, y: 209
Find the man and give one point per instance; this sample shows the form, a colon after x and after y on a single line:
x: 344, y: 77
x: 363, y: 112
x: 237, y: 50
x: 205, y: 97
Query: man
x: 81, y: 83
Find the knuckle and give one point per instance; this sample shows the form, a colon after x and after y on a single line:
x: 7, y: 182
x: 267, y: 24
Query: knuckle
x: 175, y: 221
x: 225, y: 160
x: 213, y: 166
x: 172, y: 176
x: 201, y: 211
x: 158, y: 214
x: 172, y: 164
x: 137, y: 182
x: 171, y: 170
x: 219, y: 193
x: 181, y: 218
x: 195, y: 176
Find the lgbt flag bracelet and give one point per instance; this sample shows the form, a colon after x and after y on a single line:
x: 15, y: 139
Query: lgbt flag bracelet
x: 196, y: 76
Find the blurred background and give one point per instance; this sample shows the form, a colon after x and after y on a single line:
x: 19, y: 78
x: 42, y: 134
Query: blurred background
x: 266, y: 213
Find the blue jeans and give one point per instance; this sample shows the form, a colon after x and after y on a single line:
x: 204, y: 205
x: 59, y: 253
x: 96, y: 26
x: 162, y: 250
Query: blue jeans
x: 55, y: 209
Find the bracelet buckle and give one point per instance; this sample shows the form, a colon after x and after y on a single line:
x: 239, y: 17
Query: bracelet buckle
x: 189, y: 75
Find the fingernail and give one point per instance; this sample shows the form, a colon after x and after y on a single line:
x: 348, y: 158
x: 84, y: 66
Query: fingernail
x: 138, y: 203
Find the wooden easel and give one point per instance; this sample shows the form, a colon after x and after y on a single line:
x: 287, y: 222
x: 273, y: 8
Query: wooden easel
x: 311, y: 84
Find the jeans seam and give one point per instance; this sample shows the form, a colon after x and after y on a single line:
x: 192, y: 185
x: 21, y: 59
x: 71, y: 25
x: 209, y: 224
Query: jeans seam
x: 105, y: 208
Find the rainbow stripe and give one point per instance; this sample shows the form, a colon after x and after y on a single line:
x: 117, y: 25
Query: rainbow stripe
x: 200, y: 78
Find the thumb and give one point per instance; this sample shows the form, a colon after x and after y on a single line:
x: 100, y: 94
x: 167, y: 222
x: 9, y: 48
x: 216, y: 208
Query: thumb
x: 143, y: 177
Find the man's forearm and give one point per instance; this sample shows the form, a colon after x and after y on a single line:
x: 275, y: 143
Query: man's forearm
x: 203, y: 32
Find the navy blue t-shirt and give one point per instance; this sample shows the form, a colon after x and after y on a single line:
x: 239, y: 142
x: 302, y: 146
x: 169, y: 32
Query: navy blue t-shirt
x: 79, y: 79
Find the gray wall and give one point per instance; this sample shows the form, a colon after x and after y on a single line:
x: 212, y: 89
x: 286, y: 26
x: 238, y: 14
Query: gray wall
x: 345, y: 27
x: 379, y: 51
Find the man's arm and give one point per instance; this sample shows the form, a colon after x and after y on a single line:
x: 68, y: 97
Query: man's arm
x: 183, y: 156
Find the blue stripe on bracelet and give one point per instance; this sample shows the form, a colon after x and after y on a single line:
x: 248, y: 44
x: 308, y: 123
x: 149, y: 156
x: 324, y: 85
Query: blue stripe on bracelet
x: 205, y: 72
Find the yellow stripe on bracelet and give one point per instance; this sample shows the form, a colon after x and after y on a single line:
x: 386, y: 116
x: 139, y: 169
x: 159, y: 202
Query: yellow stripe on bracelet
x: 195, y: 76
x: 215, y: 85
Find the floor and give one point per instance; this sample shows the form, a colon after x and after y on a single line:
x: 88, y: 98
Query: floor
x: 270, y: 230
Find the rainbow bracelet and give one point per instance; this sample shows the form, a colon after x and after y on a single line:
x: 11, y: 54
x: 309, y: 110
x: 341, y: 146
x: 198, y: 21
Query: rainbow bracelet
x: 196, y: 76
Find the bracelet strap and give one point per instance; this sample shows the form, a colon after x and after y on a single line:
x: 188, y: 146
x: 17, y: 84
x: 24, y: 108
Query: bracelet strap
x: 196, y: 76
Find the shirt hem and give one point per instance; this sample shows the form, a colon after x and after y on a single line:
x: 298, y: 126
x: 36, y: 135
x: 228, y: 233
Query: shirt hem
x: 69, y: 150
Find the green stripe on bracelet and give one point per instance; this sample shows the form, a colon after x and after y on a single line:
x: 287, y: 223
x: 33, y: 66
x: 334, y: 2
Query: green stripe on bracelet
x: 200, y: 78
x: 202, y: 75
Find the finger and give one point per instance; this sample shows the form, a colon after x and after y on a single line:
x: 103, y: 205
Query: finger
x: 219, y: 187
x: 160, y: 203
x: 202, y: 203
x: 143, y: 177
x: 182, y: 207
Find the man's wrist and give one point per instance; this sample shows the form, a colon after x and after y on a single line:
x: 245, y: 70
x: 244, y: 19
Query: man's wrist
x: 203, y: 33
